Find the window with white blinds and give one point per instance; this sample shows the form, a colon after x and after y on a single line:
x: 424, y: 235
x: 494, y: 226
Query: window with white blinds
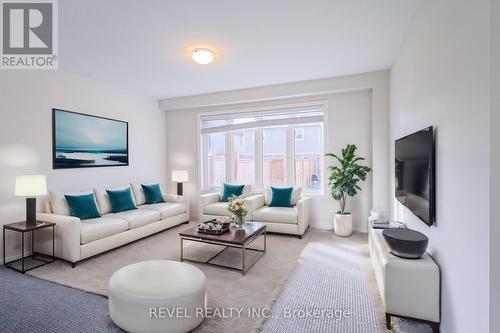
x: 282, y: 146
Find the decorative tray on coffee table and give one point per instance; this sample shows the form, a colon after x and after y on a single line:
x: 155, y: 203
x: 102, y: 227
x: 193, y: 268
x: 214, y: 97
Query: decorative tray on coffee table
x: 213, y: 227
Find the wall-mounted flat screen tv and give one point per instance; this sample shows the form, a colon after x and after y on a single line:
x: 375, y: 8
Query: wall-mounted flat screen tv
x: 415, y: 172
x: 85, y: 141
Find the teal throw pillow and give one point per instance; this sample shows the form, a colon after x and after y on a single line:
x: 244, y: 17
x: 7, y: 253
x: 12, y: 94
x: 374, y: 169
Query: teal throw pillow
x: 121, y: 200
x: 230, y: 190
x: 83, y: 206
x: 152, y: 193
x: 282, y: 197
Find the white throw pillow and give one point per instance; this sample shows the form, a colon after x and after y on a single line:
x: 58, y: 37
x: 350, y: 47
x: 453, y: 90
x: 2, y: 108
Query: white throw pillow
x: 268, y: 196
x: 247, y: 191
x: 59, y: 204
x: 296, y: 195
x: 103, y: 199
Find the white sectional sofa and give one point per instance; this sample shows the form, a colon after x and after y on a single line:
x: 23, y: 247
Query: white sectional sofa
x: 77, y: 239
x: 284, y: 220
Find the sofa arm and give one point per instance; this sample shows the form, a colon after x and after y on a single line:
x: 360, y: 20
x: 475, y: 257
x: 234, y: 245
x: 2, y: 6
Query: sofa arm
x: 253, y: 203
x: 206, y: 199
x: 175, y: 198
x: 209, y: 198
x: 182, y: 199
x: 66, y: 236
x: 303, y: 212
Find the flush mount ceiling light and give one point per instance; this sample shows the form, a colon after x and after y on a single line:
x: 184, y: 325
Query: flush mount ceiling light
x: 202, y: 56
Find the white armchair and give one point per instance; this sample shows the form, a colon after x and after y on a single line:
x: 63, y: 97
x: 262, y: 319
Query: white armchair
x: 209, y: 198
x: 287, y: 220
x: 303, y: 212
x: 211, y: 207
x: 252, y: 203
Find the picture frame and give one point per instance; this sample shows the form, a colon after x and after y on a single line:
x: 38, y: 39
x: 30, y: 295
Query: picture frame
x: 88, y: 141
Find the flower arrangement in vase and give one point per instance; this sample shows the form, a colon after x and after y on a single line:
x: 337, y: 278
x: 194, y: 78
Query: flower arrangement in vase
x: 238, y: 209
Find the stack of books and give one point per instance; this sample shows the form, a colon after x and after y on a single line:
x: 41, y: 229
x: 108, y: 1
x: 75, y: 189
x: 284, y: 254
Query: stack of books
x: 386, y: 224
x: 381, y: 224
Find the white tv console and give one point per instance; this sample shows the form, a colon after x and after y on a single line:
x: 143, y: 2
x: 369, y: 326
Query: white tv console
x: 410, y: 288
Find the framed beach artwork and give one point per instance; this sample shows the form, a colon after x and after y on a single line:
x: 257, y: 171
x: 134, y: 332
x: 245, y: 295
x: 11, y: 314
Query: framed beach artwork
x: 85, y: 141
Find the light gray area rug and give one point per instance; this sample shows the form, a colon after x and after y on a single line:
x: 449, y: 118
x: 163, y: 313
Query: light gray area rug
x: 225, y: 289
x: 317, y: 282
x: 329, y: 292
x: 334, y: 289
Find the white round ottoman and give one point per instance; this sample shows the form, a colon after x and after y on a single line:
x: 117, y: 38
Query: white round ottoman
x: 157, y: 296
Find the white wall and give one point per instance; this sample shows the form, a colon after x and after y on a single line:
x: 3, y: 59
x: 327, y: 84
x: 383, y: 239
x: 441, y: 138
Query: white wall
x: 494, y: 174
x: 353, y: 101
x: 441, y: 77
x: 26, y: 100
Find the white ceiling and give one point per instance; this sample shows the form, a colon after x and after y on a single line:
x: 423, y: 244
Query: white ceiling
x: 144, y: 45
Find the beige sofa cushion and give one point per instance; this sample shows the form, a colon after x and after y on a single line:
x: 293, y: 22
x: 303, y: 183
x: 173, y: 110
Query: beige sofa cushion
x: 59, y: 204
x: 166, y: 209
x: 102, y: 227
x: 276, y: 215
x: 103, y: 199
x: 138, y: 217
x: 217, y: 208
x: 296, y: 195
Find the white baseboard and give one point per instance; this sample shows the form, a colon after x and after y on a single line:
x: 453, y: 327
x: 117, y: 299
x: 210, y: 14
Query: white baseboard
x: 329, y: 227
x: 321, y: 226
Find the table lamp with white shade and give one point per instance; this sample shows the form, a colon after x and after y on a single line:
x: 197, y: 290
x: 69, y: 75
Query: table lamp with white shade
x: 30, y: 186
x: 179, y: 177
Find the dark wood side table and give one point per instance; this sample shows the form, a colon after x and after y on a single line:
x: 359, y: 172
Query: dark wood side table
x: 36, y: 261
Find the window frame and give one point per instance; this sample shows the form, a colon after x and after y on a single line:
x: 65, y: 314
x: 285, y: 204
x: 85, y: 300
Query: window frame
x: 261, y: 187
x: 323, y: 181
x: 231, y: 138
x: 203, y: 165
x: 290, y: 150
x: 295, y: 134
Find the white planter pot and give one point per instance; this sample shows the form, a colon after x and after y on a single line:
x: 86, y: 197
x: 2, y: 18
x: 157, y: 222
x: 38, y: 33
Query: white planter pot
x: 342, y: 224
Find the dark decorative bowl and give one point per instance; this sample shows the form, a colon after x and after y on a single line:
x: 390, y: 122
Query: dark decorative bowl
x: 406, y: 243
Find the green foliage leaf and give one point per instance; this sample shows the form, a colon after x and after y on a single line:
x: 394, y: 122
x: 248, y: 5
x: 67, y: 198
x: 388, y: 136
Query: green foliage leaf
x: 344, y: 176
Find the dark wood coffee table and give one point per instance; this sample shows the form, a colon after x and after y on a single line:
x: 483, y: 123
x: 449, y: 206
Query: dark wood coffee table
x: 235, y: 238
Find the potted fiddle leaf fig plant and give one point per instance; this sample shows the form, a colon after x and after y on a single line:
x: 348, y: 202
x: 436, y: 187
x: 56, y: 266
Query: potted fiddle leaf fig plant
x: 343, y: 179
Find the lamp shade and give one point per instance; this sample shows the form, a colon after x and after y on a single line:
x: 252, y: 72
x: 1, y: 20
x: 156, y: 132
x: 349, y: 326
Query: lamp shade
x: 31, y: 185
x: 179, y: 176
